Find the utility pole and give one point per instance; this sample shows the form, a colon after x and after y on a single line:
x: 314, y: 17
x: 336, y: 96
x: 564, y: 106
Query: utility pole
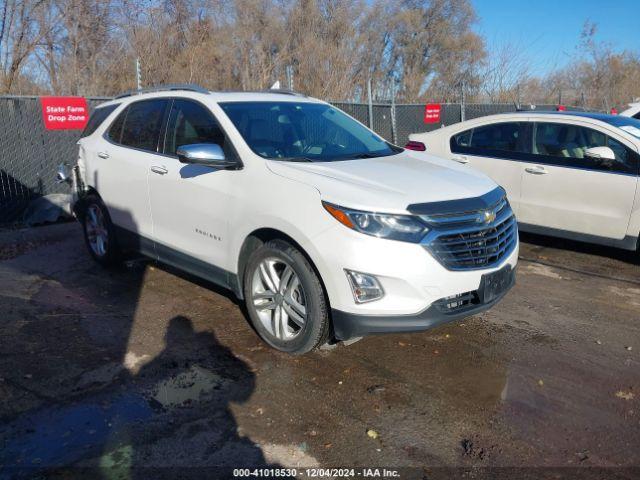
x: 138, y: 75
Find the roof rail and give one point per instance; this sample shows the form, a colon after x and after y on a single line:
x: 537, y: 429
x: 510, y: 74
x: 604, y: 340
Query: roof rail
x: 284, y: 91
x: 190, y: 87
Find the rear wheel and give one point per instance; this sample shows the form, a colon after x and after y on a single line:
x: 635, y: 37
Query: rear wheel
x: 99, y: 233
x: 285, y: 299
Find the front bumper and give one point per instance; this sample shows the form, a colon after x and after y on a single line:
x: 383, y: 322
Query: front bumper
x: 350, y: 325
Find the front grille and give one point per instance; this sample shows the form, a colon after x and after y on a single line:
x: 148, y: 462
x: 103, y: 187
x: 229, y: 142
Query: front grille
x: 459, y: 242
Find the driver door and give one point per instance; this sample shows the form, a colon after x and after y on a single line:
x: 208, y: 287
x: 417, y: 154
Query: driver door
x: 190, y: 203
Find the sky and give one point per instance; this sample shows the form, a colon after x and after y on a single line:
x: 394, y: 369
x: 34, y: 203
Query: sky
x: 549, y: 30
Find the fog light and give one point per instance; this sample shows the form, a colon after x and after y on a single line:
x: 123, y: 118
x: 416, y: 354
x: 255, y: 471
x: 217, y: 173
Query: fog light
x: 365, y: 288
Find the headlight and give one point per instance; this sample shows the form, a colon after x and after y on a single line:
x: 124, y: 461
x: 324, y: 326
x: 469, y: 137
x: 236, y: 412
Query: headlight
x: 405, y: 228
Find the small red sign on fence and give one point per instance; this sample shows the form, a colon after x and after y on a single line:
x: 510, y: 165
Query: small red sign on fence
x: 64, y: 113
x: 432, y: 113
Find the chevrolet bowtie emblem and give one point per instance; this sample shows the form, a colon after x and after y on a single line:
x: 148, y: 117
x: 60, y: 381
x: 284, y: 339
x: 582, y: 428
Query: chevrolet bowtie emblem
x: 488, y: 216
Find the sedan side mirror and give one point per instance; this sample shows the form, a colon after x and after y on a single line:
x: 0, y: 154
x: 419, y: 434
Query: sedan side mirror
x: 209, y: 154
x: 600, y: 153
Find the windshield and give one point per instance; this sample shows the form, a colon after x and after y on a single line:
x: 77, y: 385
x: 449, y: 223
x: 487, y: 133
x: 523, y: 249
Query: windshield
x: 628, y: 124
x: 302, y: 131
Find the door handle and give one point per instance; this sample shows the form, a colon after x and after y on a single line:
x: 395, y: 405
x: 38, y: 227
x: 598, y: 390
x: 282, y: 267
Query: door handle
x: 537, y: 170
x: 103, y: 155
x: 159, y: 169
x: 460, y: 159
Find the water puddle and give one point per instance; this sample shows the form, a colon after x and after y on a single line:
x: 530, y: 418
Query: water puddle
x: 60, y: 436
x: 56, y: 437
x: 190, y: 386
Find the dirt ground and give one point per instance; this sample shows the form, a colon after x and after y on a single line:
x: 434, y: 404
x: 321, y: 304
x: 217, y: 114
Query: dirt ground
x: 143, y: 368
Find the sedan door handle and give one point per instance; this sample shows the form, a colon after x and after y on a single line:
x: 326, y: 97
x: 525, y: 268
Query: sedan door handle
x: 103, y: 155
x: 537, y: 170
x: 460, y: 159
x: 159, y: 169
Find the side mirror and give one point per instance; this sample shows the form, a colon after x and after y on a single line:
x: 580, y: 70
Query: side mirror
x: 209, y: 154
x: 600, y: 153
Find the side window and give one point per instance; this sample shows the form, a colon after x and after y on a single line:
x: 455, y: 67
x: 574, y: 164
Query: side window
x: 143, y: 124
x: 462, y: 139
x: 566, y: 144
x: 115, y: 130
x: 505, y: 137
x: 564, y: 140
x: 98, y: 116
x: 626, y: 161
x: 189, y: 123
x: 500, y: 140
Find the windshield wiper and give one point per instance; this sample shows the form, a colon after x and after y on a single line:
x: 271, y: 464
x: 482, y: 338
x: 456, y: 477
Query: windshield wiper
x: 293, y: 159
x: 363, y: 155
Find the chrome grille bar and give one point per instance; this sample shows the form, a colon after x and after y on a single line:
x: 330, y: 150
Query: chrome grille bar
x: 462, y: 241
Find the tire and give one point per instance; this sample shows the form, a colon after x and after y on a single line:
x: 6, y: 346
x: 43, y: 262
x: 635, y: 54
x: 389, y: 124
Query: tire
x: 99, y: 232
x: 285, y: 299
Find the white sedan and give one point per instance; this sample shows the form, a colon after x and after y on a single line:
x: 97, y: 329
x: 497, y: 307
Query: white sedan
x: 571, y: 175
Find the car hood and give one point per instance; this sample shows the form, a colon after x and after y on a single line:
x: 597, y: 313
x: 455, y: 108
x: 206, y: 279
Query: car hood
x: 387, y: 184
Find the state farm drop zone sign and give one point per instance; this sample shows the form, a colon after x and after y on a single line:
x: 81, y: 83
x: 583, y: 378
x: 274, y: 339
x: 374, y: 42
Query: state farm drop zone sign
x: 64, y: 113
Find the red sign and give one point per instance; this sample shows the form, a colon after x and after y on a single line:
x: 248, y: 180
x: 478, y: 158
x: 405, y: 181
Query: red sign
x: 64, y: 113
x: 432, y: 113
x: 561, y: 108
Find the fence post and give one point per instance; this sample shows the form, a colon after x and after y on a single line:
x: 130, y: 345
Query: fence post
x: 138, y: 74
x: 370, y: 104
x: 462, y: 101
x: 394, y: 136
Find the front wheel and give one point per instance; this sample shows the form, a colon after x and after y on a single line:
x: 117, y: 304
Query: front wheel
x: 285, y: 299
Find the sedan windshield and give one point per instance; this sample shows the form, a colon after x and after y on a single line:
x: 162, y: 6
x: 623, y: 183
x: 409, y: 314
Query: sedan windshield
x: 304, y: 132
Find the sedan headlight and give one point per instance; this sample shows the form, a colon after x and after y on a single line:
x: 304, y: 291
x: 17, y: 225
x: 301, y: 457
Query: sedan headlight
x: 405, y: 228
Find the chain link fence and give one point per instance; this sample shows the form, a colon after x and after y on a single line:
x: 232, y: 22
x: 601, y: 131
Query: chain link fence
x: 30, y: 154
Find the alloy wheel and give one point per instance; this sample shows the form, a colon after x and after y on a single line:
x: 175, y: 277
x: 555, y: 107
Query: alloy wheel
x: 279, y: 298
x: 96, y: 229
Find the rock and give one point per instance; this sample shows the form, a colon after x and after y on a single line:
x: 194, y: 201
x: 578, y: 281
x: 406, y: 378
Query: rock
x: 624, y: 395
x: 373, y: 434
x: 376, y: 389
x: 467, y: 446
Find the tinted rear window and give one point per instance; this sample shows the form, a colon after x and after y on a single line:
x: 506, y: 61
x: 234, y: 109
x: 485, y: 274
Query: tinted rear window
x: 143, y: 123
x: 98, y: 116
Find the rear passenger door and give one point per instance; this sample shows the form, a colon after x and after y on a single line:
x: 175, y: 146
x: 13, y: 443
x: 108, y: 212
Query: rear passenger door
x: 496, y: 150
x: 124, y: 157
x: 562, y: 189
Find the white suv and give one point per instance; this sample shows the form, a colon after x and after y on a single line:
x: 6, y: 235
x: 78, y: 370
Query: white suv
x: 327, y: 231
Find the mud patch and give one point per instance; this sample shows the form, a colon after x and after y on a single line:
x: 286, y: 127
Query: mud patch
x: 632, y: 295
x: 542, y: 270
x: 289, y: 456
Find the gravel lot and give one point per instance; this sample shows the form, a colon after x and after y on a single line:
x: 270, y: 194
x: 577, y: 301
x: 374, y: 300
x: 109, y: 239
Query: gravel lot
x: 144, y: 367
